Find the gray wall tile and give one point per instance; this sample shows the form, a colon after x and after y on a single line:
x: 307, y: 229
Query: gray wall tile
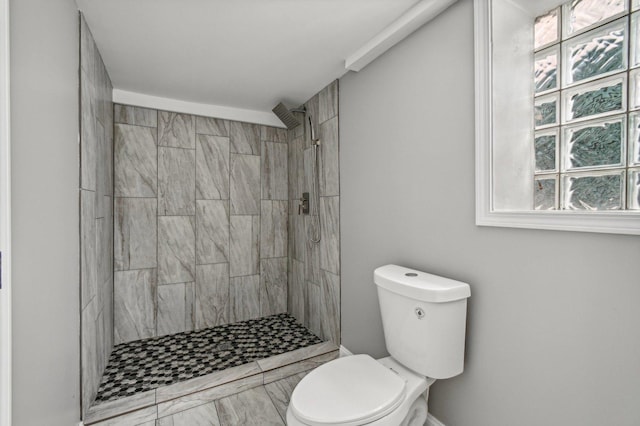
x: 176, y: 130
x: 330, y: 242
x: 330, y: 307
x: 135, y: 233
x: 296, y: 294
x: 134, y: 305
x: 274, y: 172
x: 245, y: 184
x: 244, y: 250
x: 273, y: 286
x: 244, y: 137
x: 212, y: 168
x: 212, y: 126
x: 136, y: 166
x: 329, y: 167
x: 273, y: 228
x: 88, y: 252
x: 245, y: 297
x: 273, y: 134
x: 175, y: 308
x: 136, y: 116
x: 328, y: 102
x: 212, y: 295
x: 312, y: 251
x: 176, y: 249
x: 212, y: 231
x: 88, y: 138
x: 313, y: 309
x: 176, y: 181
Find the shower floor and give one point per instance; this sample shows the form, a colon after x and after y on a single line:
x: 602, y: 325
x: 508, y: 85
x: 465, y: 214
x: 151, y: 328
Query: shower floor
x: 142, y: 365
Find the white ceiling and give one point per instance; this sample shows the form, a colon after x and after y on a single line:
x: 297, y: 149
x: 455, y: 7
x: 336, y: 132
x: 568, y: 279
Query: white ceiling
x: 247, y: 54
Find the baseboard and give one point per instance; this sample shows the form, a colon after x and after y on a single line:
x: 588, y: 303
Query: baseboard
x: 344, y: 351
x: 432, y: 421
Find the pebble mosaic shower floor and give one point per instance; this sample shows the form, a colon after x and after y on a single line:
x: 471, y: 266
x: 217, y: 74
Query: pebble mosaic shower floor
x: 147, y: 364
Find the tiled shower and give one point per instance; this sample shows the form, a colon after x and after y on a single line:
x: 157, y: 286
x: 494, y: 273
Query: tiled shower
x: 191, y: 222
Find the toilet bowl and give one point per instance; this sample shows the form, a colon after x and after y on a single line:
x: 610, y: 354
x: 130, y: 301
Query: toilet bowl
x: 424, y: 318
x: 359, y: 390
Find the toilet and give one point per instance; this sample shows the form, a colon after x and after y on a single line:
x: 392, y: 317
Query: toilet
x: 424, y: 320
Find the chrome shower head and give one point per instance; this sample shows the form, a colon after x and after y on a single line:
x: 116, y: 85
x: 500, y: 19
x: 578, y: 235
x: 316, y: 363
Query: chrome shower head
x: 285, y: 115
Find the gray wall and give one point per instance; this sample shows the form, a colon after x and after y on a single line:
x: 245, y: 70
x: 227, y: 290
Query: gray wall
x: 44, y: 120
x: 553, y: 319
x: 96, y: 215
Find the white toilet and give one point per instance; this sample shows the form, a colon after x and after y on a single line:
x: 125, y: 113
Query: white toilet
x: 424, y: 319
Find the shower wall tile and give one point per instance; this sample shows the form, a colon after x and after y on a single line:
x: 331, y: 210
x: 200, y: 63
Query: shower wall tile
x: 175, y: 308
x: 313, y: 308
x: 329, y: 176
x: 88, y: 252
x: 244, y: 137
x: 176, y: 181
x: 212, y: 126
x: 212, y: 295
x: 273, y: 134
x: 212, y: 231
x: 294, y: 168
x: 245, y: 184
x: 176, y: 130
x: 134, y: 305
x: 176, y: 249
x: 244, y: 250
x: 88, y: 138
x: 136, y: 116
x: 245, y: 297
x: 135, y: 235
x: 273, y: 228
x: 136, y: 167
x: 296, y: 294
x: 104, y: 250
x: 274, y: 171
x: 312, y: 250
x: 273, y: 286
x: 330, y: 242
x: 89, y: 352
x: 330, y: 307
x: 101, y: 169
x: 313, y: 110
x: 212, y: 167
x: 328, y: 102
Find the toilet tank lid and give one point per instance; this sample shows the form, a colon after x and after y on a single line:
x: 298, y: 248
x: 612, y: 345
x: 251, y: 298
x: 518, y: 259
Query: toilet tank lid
x: 420, y: 285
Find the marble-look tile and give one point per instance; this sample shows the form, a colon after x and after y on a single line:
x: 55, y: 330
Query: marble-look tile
x: 297, y: 367
x: 330, y: 307
x: 245, y: 298
x: 328, y: 102
x: 280, y: 392
x: 274, y: 171
x: 212, y: 231
x: 244, y: 138
x: 88, y: 251
x: 296, y: 293
x: 134, y: 304
x: 135, y: 229
x: 134, y: 418
x: 176, y: 181
x: 313, y: 110
x: 109, y: 409
x: 313, y: 308
x: 103, y: 250
x: 294, y: 170
x: 203, y: 415
x: 212, y: 295
x: 197, y: 384
x: 273, y: 228
x: 329, y: 167
x: 244, y: 249
x: 88, y: 133
x: 136, y: 162
x: 273, y: 286
x: 209, y: 395
x: 212, y: 168
x: 87, y: 48
x: 273, y: 134
x: 136, y: 116
x: 107, y: 317
x: 212, y: 126
x: 298, y: 355
x: 312, y: 250
x: 245, y: 184
x: 299, y: 236
x: 100, y: 169
x: 252, y: 407
x: 176, y: 249
x: 175, y: 308
x: 176, y: 130
x: 89, y: 353
x: 330, y: 242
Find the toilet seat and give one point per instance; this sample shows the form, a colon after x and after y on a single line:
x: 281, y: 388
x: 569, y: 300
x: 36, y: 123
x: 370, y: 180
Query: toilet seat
x: 352, y: 391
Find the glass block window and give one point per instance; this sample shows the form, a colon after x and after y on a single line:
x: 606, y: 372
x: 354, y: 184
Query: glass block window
x: 586, y: 88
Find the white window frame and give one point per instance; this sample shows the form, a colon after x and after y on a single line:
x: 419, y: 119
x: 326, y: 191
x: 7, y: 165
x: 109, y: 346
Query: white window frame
x: 618, y: 222
x: 5, y: 220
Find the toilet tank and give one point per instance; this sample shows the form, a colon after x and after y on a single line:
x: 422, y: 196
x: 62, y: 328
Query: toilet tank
x: 424, y: 319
